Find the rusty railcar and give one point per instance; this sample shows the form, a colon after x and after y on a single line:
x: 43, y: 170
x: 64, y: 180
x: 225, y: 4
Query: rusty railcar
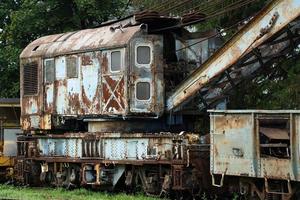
x: 9, y: 130
x: 93, y: 108
x: 261, y: 144
x: 91, y: 73
x: 116, y: 105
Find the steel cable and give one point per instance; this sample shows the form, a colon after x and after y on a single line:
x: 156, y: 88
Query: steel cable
x: 207, y: 17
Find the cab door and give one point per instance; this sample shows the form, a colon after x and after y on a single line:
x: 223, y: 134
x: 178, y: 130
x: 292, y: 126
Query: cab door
x: 146, y: 75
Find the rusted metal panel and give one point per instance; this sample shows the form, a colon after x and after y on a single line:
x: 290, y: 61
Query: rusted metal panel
x: 75, y: 95
x: 80, y: 41
x: 111, y: 146
x: 277, y: 168
x: 229, y: 153
x: 150, y: 72
x: 74, y: 86
x: 114, y: 83
x: 32, y: 105
x: 269, y: 21
x: 90, y: 84
x: 60, y: 85
x: 248, y: 143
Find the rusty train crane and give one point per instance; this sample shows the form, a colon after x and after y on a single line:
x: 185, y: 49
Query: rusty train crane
x: 99, y: 106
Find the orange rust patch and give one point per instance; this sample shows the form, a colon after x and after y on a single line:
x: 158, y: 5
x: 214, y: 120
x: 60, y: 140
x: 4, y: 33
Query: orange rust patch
x: 74, y: 103
x: 231, y: 122
x: 112, y: 104
x: 104, y: 63
x: 85, y: 99
x: 119, y: 93
x: 111, y: 82
x: 106, y: 93
x: 86, y: 60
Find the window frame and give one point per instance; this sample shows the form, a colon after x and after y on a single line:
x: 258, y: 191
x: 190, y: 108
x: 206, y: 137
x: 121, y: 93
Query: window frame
x: 150, y: 88
x: 77, y: 66
x: 136, y: 55
x: 121, y: 50
x: 44, y: 70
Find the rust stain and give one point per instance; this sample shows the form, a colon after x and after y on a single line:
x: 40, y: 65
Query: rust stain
x: 231, y: 122
x: 116, y: 100
x: 104, y: 63
x: 119, y: 93
x: 105, y: 92
x: 26, y: 124
x: 86, y: 60
x: 111, y: 82
x: 112, y: 104
x: 85, y: 99
x: 58, y: 83
x: 74, y: 103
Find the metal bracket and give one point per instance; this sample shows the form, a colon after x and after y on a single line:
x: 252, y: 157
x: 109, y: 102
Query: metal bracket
x: 256, y: 52
x: 221, y: 181
x: 203, y: 100
x: 227, y: 73
x: 290, y: 191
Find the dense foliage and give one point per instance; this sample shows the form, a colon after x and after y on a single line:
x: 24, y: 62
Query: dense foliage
x: 22, y: 21
x: 277, y: 88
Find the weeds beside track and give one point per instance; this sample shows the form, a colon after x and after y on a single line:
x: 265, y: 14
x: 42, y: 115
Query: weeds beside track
x: 26, y: 193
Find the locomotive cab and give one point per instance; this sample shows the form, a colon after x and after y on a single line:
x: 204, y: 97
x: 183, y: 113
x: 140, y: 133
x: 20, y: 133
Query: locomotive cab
x: 109, y: 79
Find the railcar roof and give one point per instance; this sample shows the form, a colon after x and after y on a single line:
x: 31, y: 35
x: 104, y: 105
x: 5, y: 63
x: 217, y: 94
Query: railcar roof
x: 78, y: 41
x: 8, y: 102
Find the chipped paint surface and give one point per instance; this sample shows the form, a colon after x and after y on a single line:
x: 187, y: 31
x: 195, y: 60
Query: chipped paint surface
x: 80, y: 41
x: 31, y: 107
x: 151, y: 73
x: 113, y: 146
x: 85, y: 85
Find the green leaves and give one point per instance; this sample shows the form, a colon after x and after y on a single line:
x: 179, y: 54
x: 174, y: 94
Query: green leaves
x: 278, y: 89
x: 9, y: 65
x: 22, y: 21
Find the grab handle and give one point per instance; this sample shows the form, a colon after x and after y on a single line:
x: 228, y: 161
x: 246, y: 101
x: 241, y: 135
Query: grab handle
x: 221, y: 181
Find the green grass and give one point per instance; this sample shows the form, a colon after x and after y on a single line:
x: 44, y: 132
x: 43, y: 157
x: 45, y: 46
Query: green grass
x: 24, y: 193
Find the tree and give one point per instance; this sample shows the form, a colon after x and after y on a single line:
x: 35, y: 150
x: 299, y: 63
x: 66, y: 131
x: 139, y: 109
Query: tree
x: 279, y: 88
x: 22, y: 21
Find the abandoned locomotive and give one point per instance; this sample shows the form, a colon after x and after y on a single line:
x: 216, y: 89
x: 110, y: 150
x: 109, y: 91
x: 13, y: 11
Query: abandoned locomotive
x: 117, y: 105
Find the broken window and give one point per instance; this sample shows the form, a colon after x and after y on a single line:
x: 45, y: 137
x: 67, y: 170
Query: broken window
x: 143, y: 55
x: 49, y: 70
x: 274, y: 135
x: 72, y: 67
x: 115, y: 61
x: 143, y: 90
x: 30, y: 79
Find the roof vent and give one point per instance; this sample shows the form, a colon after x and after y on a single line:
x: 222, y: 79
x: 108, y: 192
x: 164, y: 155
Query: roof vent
x: 35, y: 48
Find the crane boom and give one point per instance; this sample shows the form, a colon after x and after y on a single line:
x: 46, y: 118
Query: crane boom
x: 270, y: 20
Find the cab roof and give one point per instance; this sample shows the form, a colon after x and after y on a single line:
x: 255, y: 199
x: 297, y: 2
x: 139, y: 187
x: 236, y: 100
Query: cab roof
x: 104, y: 37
